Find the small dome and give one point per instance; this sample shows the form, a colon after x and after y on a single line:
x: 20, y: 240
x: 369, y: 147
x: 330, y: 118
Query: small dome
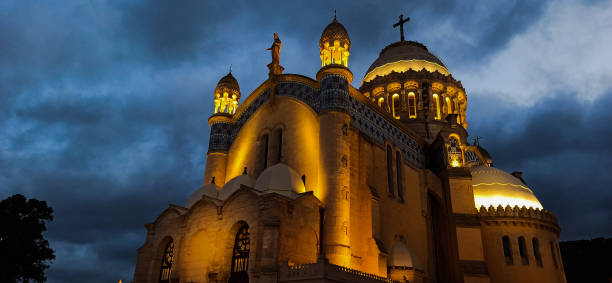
x: 494, y: 187
x: 403, y: 56
x: 234, y: 184
x: 280, y: 179
x: 335, y: 31
x: 210, y: 190
x: 228, y: 84
x: 400, y: 256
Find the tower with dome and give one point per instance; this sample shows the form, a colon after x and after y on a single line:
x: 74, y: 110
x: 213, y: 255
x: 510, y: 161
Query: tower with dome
x: 314, y: 180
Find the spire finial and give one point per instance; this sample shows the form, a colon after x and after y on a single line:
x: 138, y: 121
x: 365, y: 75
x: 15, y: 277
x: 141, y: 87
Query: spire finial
x: 230, y: 68
x: 334, y: 14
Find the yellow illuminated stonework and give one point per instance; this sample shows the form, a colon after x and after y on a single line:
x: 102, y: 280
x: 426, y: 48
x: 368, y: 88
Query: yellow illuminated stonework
x: 225, y: 104
x: 403, y: 66
x: 334, y: 54
x: 311, y: 179
x: 334, y: 45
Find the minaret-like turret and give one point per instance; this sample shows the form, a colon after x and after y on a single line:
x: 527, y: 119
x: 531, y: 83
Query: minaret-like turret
x: 334, y: 179
x: 335, y: 45
x: 227, y: 95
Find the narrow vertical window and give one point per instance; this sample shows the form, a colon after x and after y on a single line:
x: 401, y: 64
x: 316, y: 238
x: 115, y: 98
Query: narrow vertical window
x: 396, y: 106
x: 507, y: 250
x: 536, y: 251
x: 436, y: 101
x: 398, y: 172
x: 240, y: 255
x: 166, y: 263
x: 449, y: 109
x: 412, y: 105
x: 278, y: 141
x: 380, y: 102
x: 390, y: 169
x: 262, y: 155
x: 523, y: 250
x: 553, y: 254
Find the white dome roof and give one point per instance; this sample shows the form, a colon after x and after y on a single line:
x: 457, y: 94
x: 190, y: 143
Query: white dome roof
x: 400, y: 255
x: 234, y: 184
x: 280, y: 179
x: 210, y: 190
x: 494, y: 187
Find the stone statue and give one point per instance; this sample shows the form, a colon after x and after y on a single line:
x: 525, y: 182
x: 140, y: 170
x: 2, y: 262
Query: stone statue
x: 275, y: 67
x: 276, y: 47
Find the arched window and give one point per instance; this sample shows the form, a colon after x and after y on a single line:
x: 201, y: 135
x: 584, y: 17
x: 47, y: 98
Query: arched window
x: 553, y: 254
x: 240, y: 256
x: 536, y: 251
x: 411, y: 105
x: 436, y: 100
x: 398, y: 172
x: 166, y: 263
x: 278, y: 143
x: 507, y: 250
x: 390, y: 169
x: 523, y: 250
x: 380, y: 102
x: 449, y: 106
x: 262, y: 155
x: 455, y: 156
x: 396, y: 106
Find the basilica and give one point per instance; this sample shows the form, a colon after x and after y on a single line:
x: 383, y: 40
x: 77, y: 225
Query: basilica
x: 314, y: 180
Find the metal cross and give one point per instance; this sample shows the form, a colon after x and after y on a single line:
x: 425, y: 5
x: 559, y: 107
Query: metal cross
x: 401, y: 24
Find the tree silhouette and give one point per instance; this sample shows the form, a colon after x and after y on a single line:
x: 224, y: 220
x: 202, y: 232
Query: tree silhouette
x: 25, y: 254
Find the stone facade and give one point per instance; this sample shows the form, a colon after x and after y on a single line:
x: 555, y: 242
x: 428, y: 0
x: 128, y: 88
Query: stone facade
x: 313, y: 180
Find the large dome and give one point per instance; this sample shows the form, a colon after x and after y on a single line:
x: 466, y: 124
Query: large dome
x: 403, y: 56
x: 494, y: 187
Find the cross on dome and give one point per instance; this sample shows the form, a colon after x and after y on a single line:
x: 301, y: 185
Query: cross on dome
x: 401, y: 25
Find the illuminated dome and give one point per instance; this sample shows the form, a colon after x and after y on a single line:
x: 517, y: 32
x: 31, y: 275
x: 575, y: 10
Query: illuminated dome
x: 403, y: 56
x: 494, y: 187
x: 334, y: 45
x: 280, y: 179
x: 227, y: 95
x: 210, y: 190
x: 234, y: 184
x: 228, y: 84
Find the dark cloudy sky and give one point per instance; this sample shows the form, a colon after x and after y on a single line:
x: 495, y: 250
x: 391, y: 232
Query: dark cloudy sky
x: 104, y: 104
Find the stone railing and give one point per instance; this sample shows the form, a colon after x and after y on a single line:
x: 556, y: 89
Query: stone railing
x: 321, y: 270
x: 516, y: 212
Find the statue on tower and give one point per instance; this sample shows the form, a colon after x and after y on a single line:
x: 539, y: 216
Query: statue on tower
x: 275, y: 67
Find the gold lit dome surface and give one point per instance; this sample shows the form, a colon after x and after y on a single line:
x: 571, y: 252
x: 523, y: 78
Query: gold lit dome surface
x: 335, y: 31
x: 228, y: 81
x: 494, y: 187
x: 403, y: 56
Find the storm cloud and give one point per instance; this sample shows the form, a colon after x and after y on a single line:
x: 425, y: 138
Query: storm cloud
x: 104, y: 104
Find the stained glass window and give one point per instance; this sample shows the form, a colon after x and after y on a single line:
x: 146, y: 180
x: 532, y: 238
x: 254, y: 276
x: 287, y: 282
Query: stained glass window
x: 166, y: 263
